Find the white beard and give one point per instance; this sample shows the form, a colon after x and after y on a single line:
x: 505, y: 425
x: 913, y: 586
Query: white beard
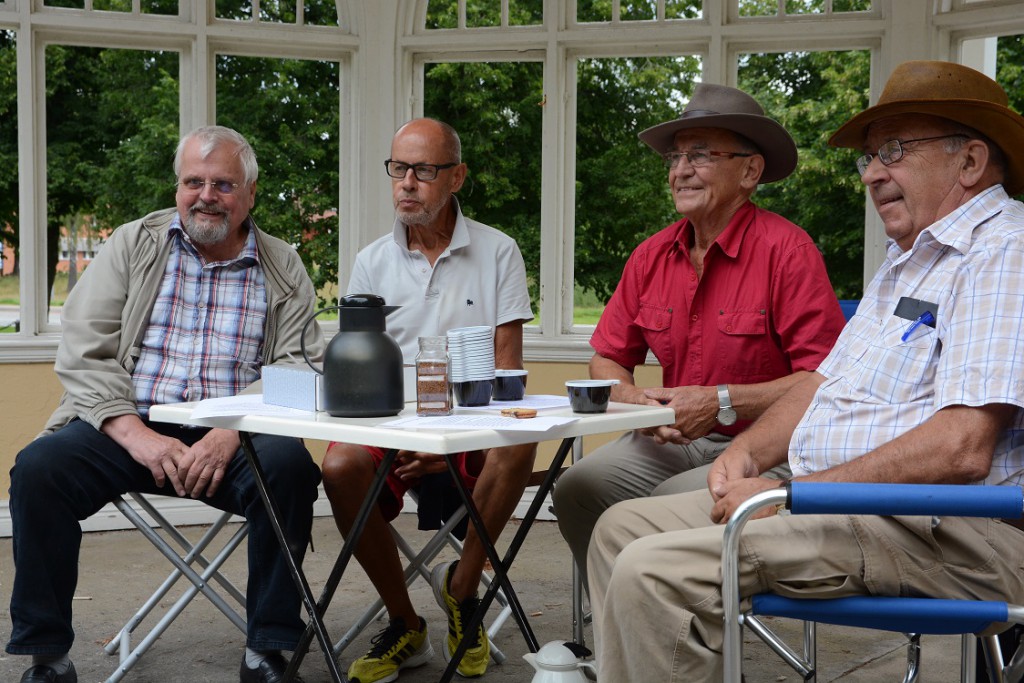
x: 204, y: 232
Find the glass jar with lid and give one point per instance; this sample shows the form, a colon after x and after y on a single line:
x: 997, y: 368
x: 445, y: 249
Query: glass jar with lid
x: 433, y: 385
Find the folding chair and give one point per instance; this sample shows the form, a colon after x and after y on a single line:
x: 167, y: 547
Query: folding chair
x: 419, y: 566
x: 192, y: 554
x: 913, y: 616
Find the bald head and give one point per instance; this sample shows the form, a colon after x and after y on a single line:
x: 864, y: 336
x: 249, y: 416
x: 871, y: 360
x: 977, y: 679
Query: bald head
x: 437, y: 134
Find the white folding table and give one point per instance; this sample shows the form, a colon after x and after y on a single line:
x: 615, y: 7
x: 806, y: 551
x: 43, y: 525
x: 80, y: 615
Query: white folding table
x: 367, y: 431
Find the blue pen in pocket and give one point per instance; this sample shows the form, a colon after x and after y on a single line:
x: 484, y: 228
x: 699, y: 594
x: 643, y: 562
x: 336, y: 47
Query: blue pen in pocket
x: 925, y: 318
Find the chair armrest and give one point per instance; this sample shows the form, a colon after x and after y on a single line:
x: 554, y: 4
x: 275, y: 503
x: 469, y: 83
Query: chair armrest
x: 905, y: 499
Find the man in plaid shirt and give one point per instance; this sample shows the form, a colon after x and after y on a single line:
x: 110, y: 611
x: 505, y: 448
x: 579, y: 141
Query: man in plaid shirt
x: 184, y: 304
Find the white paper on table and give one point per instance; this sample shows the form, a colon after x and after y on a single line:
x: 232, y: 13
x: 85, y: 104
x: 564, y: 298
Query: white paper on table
x: 243, y: 404
x: 537, y: 402
x: 533, y: 424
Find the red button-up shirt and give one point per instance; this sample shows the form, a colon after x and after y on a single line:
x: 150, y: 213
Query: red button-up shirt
x: 763, y: 309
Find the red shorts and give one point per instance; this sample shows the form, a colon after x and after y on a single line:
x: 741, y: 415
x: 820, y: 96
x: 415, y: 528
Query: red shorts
x: 392, y: 497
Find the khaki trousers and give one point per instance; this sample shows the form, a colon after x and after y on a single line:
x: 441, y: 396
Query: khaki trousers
x: 656, y: 587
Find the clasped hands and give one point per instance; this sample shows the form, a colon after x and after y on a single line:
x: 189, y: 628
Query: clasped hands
x: 696, y: 410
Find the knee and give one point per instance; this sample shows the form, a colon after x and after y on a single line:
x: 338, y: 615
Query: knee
x: 288, y: 465
x: 34, y: 472
x: 569, y: 490
x: 346, y: 467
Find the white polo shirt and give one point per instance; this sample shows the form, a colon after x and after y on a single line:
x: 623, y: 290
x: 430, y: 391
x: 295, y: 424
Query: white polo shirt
x: 480, y: 279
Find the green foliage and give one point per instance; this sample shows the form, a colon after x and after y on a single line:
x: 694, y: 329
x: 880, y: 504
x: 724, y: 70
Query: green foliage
x: 288, y: 110
x: 8, y: 140
x: 812, y: 94
x: 497, y: 109
x: 622, y: 193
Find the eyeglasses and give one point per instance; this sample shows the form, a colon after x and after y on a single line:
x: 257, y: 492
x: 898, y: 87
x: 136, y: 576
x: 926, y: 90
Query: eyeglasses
x: 425, y: 172
x: 892, y: 151
x: 197, y: 185
x: 698, y: 159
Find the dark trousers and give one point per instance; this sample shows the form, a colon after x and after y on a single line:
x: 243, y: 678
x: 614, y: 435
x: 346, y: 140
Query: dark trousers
x: 68, y: 475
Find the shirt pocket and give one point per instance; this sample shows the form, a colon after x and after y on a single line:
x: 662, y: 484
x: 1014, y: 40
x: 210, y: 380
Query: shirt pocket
x: 902, y: 371
x: 740, y: 344
x: 656, y: 323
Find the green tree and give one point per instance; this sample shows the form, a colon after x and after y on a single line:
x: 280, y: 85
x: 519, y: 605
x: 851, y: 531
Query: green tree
x: 8, y: 140
x: 288, y: 110
x: 812, y: 94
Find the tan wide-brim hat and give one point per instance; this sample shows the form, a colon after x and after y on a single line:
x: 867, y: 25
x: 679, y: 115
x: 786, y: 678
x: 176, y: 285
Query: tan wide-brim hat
x: 954, y: 92
x: 719, y: 106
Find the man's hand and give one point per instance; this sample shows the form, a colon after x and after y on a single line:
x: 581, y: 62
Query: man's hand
x: 412, y: 466
x: 203, y: 466
x: 735, y: 492
x: 154, y: 451
x: 696, y: 409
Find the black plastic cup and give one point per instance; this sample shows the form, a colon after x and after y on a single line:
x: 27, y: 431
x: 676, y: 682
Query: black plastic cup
x: 476, y: 392
x: 589, y: 395
x: 509, y: 385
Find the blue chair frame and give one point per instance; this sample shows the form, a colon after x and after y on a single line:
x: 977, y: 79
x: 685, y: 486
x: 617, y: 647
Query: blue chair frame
x: 914, y: 616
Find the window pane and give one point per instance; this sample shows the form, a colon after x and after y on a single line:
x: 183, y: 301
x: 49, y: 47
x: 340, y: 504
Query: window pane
x: 240, y: 10
x: 321, y: 13
x: 805, y: 6
x: 282, y: 11
x: 758, y: 8
x: 10, y: 295
x: 683, y: 9
x: 593, y: 10
x: 851, y: 5
x: 622, y: 193
x: 497, y: 108
x: 483, y: 13
x: 812, y: 94
x: 111, y: 130
x: 288, y: 110
x: 638, y: 10
x: 443, y: 14
x: 526, y: 12
x: 1010, y: 72
x: 168, y: 7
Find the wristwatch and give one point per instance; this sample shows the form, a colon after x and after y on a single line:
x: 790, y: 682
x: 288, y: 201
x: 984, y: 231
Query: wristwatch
x: 726, y: 415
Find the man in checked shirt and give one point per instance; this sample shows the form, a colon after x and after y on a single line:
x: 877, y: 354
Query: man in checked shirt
x: 184, y: 304
x: 923, y: 386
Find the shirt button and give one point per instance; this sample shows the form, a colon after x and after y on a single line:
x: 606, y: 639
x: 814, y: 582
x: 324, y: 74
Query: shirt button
x: 728, y: 328
x: 694, y: 317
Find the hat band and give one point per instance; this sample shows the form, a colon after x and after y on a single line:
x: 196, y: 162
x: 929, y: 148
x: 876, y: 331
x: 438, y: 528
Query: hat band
x: 697, y: 112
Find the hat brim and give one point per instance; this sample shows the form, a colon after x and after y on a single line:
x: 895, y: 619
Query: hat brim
x: 772, y: 140
x: 999, y: 124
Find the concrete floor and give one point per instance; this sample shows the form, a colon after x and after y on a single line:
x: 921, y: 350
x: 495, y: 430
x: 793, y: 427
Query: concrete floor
x: 119, y: 570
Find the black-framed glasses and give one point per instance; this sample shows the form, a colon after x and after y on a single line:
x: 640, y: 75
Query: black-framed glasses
x: 892, y: 151
x: 197, y: 185
x: 425, y: 172
x: 699, y: 158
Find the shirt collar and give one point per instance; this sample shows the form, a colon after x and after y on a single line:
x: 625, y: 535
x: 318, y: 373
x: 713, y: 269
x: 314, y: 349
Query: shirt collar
x: 249, y: 255
x: 952, y: 230
x: 730, y: 239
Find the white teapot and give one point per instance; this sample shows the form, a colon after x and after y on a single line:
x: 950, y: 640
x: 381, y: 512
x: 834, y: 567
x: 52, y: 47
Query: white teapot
x: 555, y: 663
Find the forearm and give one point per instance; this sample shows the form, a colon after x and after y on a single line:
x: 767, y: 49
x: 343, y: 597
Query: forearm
x: 767, y: 440
x: 750, y: 401
x: 954, y: 446
x: 626, y: 390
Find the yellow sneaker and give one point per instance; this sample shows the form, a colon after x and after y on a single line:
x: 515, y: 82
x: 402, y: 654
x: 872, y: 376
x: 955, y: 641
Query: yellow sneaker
x: 393, y: 649
x: 474, y: 662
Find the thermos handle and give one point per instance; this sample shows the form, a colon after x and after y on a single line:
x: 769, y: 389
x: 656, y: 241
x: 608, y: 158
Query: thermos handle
x: 302, y: 338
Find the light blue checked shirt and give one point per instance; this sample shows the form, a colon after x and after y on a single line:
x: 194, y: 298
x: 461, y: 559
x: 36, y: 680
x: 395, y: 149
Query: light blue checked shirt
x: 971, y: 264
x: 205, y: 334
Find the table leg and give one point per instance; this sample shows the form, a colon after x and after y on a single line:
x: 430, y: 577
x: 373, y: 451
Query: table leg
x: 500, y: 566
x: 296, y: 570
x: 347, y: 549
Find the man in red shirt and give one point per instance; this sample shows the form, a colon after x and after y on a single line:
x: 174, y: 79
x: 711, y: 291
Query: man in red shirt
x: 733, y: 301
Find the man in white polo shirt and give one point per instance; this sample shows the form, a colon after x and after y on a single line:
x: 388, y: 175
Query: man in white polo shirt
x: 444, y: 271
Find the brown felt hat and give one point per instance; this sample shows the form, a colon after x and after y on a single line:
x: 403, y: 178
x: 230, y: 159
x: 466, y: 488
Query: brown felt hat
x: 954, y: 92
x: 719, y: 106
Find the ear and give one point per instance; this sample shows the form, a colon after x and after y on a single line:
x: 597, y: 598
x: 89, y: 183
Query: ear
x: 252, y: 196
x: 458, y: 177
x: 752, y: 172
x: 974, y: 162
